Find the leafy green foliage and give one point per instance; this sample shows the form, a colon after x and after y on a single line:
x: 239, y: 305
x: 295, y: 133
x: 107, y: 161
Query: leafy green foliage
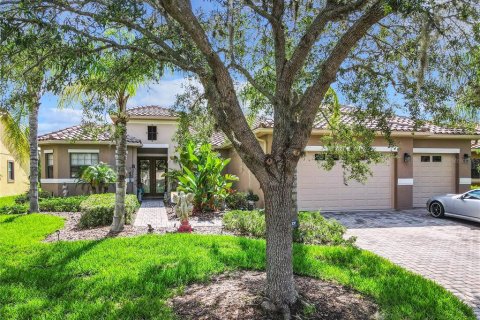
x: 24, y: 198
x: 61, y: 204
x: 7, y: 201
x: 98, y: 209
x: 14, y: 135
x: 248, y: 223
x: 98, y: 176
x: 313, y: 227
x: 236, y: 200
x: 39, y: 280
x: 14, y: 209
x: 201, y: 174
x: 251, y: 196
x: 49, y: 204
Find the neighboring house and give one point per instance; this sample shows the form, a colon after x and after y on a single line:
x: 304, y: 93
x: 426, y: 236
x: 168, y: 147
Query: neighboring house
x: 476, y: 162
x: 13, y: 173
x: 432, y: 160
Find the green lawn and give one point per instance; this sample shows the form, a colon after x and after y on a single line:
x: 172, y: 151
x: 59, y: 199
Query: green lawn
x: 7, y: 201
x: 131, y: 278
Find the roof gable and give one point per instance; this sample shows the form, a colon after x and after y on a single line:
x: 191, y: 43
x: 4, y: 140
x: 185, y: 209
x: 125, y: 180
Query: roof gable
x: 152, y: 112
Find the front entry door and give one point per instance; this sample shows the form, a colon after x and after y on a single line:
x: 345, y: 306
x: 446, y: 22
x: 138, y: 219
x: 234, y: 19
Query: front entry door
x: 151, y: 176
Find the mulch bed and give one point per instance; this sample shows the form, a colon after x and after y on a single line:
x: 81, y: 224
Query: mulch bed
x: 239, y: 296
x: 72, y: 232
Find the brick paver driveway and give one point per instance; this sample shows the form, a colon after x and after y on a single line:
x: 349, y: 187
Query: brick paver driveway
x: 444, y: 250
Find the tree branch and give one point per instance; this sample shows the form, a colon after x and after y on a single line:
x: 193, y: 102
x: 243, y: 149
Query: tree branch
x: 310, y: 101
x: 329, y: 13
x: 219, y: 88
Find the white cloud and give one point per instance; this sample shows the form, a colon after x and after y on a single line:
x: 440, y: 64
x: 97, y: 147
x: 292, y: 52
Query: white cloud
x: 163, y: 93
x: 51, y: 118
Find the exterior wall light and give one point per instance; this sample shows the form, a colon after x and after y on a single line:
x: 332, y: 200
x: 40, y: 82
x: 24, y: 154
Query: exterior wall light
x: 466, y: 157
x: 406, y: 157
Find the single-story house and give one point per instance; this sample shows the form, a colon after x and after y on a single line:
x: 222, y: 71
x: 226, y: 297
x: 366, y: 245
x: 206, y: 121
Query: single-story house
x: 428, y: 161
x: 13, y: 173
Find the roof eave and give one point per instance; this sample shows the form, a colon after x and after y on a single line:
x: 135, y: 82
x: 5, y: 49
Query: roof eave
x: 83, y: 142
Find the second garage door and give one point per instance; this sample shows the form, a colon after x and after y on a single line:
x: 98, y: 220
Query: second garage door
x: 433, y: 174
x: 319, y: 189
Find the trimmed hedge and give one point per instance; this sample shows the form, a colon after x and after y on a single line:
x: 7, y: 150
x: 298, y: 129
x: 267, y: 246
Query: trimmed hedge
x: 14, y: 209
x: 59, y: 204
x: 52, y: 204
x: 25, y: 198
x: 97, y: 210
x: 313, y: 227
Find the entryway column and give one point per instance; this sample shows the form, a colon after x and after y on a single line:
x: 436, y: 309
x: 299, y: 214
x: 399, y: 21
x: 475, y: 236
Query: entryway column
x: 464, y: 168
x: 404, y: 174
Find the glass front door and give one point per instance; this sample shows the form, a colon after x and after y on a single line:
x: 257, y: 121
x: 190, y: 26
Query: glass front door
x: 151, y: 176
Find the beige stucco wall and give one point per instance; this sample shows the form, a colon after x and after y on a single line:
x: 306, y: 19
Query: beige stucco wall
x: 247, y: 180
x: 20, y: 184
x: 61, y: 165
x: 165, y: 132
x: 403, y: 192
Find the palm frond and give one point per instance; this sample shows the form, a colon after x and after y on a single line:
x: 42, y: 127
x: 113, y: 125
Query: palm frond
x: 15, y: 137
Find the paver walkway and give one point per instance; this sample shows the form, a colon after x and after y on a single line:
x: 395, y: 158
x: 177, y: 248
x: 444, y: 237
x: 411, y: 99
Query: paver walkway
x: 152, y: 211
x: 444, y: 250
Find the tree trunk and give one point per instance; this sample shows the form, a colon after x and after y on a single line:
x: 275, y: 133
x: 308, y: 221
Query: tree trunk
x: 33, y: 128
x: 121, y: 159
x: 278, y: 214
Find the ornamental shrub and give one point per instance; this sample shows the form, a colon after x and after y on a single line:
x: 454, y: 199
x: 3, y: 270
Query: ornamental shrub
x: 50, y: 204
x: 14, y: 209
x: 316, y: 229
x: 24, y: 198
x: 236, y: 201
x: 248, y: 223
x: 98, y: 209
x: 61, y: 204
x: 313, y: 227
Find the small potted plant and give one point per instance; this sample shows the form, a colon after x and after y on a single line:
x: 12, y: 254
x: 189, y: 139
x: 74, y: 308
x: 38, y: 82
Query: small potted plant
x: 251, y: 199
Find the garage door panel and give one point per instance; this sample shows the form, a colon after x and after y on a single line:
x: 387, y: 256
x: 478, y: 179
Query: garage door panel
x: 432, y: 178
x: 325, y: 190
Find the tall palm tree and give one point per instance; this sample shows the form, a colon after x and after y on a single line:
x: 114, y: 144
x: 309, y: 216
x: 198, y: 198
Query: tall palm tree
x: 113, y: 78
x: 28, y: 69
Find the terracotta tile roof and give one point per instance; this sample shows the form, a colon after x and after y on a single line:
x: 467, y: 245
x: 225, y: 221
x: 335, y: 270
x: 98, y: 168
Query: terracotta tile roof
x: 396, y: 123
x: 80, y: 133
x: 218, y: 139
x: 152, y: 111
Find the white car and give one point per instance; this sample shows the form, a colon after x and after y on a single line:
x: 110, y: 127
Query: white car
x: 464, y: 206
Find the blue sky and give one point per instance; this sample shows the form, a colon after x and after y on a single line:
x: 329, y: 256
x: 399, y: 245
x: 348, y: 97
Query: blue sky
x: 164, y: 93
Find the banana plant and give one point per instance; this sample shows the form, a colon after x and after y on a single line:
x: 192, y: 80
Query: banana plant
x: 201, y: 174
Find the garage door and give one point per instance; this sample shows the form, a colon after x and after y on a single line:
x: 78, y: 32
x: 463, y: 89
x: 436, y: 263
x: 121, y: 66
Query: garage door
x: 433, y: 174
x: 319, y: 189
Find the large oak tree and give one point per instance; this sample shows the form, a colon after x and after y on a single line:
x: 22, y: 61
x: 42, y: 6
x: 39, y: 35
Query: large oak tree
x: 283, y: 56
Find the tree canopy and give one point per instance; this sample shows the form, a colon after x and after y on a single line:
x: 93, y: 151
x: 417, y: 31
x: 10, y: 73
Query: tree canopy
x: 283, y: 57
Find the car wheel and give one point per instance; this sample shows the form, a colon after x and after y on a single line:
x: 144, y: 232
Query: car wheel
x: 437, y: 210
